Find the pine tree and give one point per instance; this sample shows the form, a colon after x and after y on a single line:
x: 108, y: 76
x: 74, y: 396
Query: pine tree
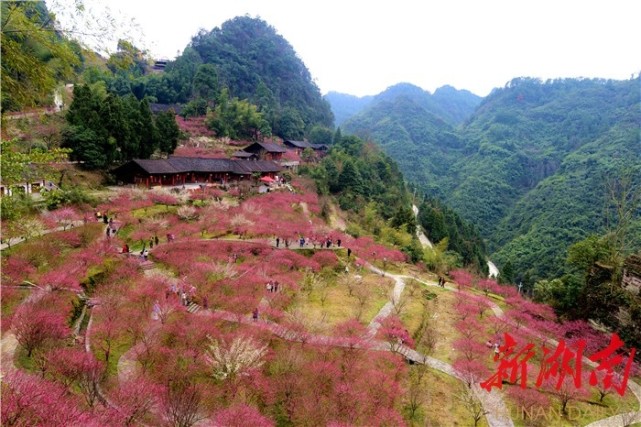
x: 167, y: 131
x: 147, y: 131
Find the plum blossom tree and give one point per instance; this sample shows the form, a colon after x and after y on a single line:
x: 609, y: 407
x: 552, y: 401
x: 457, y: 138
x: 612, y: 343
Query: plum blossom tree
x: 470, y: 371
x: 181, y: 402
x: 566, y: 391
x: 28, y: 400
x: 240, y: 416
x: 471, y: 349
x: 462, y: 277
x: 231, y: 359
x: 527, y: 400
x: 136, y: 398
x: 395, y: 334
x: 34, y: 325
x: 65, y: 217
x: 75, y: 366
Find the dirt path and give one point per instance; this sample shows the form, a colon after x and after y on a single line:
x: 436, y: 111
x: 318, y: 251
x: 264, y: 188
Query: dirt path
x: 16, y: 240
x: 419, y: 230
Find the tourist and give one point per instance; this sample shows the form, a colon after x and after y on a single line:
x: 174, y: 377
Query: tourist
x: 255, y: 314
x: 338, y: 243
x: 269, y: 286
x: 277, y: 241
x: 156, y: 240
x: 349, y: 252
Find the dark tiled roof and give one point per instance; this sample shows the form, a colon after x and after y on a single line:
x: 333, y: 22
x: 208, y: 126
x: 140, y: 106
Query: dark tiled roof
x: 202, y: 164
x: 270, y: 147
x: 157, y: 108
x: 242, y: 154
x: 298, y: 144
x: 155, y: 166
x: 256, y: 166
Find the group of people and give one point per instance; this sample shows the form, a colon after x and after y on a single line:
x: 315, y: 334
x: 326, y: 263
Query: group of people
x: 111, y: 226
x: 441, y: 281
x: 272, y: 286
x: 496, y: 348
x: 302, y: 241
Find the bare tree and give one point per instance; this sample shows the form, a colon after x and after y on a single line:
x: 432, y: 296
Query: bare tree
x: 471, y: 404
x: 623, y: 201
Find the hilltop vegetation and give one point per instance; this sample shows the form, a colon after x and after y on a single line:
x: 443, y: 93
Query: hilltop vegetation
x: 527, y: 167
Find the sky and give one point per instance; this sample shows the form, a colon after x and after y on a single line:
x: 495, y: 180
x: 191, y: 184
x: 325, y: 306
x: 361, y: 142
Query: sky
x: 362, y: 47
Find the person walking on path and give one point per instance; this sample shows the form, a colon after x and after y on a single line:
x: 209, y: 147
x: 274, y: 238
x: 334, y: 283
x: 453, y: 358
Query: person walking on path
x: 277, y: 241
x: 255, y: 314
x: 349, y: 252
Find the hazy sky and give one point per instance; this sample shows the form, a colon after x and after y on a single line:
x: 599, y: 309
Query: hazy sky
x: 362, y: 47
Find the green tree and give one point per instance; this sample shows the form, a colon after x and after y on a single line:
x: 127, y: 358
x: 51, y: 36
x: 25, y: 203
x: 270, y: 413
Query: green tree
x: 349, y: 178
x: 237, y: 119
x: 113, y: 115
x: 127, y: 59
x: 582, y: 255
x: 167, y: 131
x: 507, y: 273
x: 90, y: 148
x: 404, y: 217
x: 320, y: 135
x: 338, y: 136
x: 34, y: 55
x: 205, y: 84
x: 18, y: 166
x: 291, y: 125
x: 147, y: 131
x: 308, y: 155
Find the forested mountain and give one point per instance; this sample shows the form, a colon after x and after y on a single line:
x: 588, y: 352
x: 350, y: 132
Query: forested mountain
x: 528, y: 167
x: 424, y: 140
x: 248, y: 58
x: 450, y: 104
x: 345, y: 106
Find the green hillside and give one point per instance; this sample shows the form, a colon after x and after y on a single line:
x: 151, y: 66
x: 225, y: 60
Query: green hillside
x: 527, y: 167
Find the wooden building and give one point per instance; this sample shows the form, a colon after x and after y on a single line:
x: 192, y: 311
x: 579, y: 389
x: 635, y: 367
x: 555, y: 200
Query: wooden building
x: 300, y: 146
x: 266, y: 150
x: 186, y: 170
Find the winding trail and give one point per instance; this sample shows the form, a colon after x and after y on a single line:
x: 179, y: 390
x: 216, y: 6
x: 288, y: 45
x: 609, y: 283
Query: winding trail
x: 419, y: 231
x: 16, y: 240
x: 497, y: 414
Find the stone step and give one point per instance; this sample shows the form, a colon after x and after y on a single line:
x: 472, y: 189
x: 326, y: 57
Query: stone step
x: 193, y: 308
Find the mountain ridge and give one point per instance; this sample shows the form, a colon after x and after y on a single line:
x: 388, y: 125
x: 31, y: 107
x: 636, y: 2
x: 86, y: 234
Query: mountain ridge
x: 518, y: 137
